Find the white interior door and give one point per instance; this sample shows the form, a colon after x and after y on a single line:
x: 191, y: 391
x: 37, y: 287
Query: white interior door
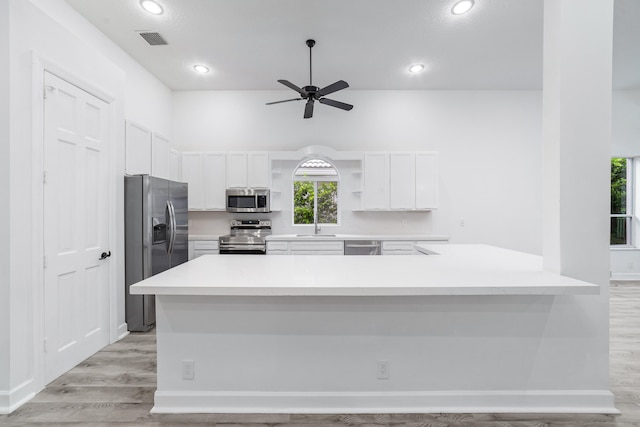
x: 76, y: 229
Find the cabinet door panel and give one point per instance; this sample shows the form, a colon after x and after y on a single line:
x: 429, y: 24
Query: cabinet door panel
x: 258, y: 169
x: 426, y: 181
x: 376, y: 181
x: 159, y: 156
x: 215, y: 181
x: 402, y: 181
x: 193, y: 174
x: 137, y: 149
x: 174, y: 165
x: 236, y: 170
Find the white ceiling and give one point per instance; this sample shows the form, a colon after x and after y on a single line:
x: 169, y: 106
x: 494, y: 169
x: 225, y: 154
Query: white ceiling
x: 249, y: 44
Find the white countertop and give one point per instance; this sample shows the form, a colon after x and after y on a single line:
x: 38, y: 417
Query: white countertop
x: 459, y: 270
x: 328, y: 236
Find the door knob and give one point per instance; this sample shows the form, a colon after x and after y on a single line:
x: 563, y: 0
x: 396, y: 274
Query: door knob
x: 105, y: 255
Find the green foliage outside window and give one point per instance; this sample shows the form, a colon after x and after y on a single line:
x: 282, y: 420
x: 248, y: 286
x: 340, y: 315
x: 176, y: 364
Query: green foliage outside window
x: 304, y: 193
x: 618, y: 186
x: 303, y: 201
x: 619, y: 224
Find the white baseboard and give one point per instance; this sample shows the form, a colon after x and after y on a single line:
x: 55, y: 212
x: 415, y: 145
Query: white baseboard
x: 504, y: 401
x: 16, y: 397
x: 122, y: 331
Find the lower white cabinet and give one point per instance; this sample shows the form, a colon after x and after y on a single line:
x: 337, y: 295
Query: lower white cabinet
x: 400, y: 247
x: 277, y: 248
x: 203, y: 247
x: 305, y: 247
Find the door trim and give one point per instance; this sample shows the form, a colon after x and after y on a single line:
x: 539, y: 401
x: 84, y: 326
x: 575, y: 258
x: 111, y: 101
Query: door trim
x: 40, y: 64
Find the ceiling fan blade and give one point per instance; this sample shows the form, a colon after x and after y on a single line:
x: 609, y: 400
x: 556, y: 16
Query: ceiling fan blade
x: 339, y: 85
x: 294, y: 87
x: 286, y: 100
x: 336, y: 104
x: 308, y: 109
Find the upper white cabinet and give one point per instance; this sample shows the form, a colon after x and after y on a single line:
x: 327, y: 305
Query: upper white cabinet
x: 137, y: 149
x: 376, y: 181
x: 174, y: 165
x: 159, y: 156
x: 400, y: 181
x: 426, y: 181
x: 205, y: 174
x: 248, y: 169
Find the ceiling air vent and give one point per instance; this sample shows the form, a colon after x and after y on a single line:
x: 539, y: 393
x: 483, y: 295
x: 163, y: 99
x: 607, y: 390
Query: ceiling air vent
x: 153, y: 38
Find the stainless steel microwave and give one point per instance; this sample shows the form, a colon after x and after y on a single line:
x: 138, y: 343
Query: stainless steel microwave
x: 248, y: 200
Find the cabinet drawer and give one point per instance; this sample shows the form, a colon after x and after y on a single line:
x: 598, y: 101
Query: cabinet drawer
x: 318, y: 246
x: 205, y: 244
x: 398, y: 245
x: 277, y: 246
x: 320, y: 252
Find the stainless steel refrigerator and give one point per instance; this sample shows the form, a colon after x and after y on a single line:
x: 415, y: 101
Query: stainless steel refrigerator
x: 156, y: 239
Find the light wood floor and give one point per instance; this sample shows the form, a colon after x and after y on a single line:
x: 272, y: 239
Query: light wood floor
x: 116, y: 386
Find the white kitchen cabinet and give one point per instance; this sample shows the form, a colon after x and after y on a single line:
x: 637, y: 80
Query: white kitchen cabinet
x: 214, y: 181
x: 159, y: 156
x: 376, y: 181
x: 236, y: 169
x: 203, y: 247
x: 193, y: 174
x: 258, y: 169
x: 174, y: 165
x: 402, y: 181
x: 205, y: 174
x: 277, y: 248
x: 399, y: 247
x: 305, y: 247
x: 137, y: 149
x: 426, y: 181
x: 248, y: 169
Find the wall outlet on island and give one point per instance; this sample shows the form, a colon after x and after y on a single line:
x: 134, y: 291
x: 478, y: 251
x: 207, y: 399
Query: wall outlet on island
x: 188, y: 370
x: 383, y: 370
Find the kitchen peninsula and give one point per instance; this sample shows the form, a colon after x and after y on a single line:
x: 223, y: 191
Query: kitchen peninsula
x: 464, y: 328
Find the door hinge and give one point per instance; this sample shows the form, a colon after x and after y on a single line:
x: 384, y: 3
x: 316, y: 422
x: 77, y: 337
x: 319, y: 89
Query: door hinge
x: 44, y: 177
x: 47, y: 89
x: 44, y: 261
x: 45, y: 345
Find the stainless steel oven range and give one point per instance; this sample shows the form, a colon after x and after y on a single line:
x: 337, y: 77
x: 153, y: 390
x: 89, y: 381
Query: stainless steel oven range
x: 247, y: 236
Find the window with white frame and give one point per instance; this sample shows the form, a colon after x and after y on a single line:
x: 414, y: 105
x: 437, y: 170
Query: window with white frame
x: 315, y: 193
x: 621, y: 201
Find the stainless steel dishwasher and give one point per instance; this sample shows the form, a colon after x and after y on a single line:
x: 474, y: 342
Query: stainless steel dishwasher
x: 362, y: 247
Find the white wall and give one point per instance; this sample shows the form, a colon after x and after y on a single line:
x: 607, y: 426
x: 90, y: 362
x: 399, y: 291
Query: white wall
x: 55, y: 34
x: 488, y: 143
x: 5, y: 162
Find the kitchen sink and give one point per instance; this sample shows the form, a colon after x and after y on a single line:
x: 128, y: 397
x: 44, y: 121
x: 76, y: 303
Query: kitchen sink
x: 315, y: 235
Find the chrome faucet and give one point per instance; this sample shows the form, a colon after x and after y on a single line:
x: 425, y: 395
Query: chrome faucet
x: 316, y: 227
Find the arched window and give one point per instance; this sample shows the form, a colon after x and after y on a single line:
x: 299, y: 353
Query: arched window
x: 315, y: 193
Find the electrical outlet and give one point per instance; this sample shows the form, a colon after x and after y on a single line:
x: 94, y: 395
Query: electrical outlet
x: 462, y: 223
x: 383, y: 370
x: 188, y: 370
x: 630, y: 265
x: 404, y: 222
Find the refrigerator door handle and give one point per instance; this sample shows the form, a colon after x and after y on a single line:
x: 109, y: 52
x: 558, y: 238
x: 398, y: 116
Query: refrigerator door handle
x: 171, y: 220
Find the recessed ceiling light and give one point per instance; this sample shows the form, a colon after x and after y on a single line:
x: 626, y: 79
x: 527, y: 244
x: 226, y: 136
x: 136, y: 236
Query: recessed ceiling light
x: 152, y: 7
x: 416, y: 68
x: 201, y: 69
x: 461, y: 7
